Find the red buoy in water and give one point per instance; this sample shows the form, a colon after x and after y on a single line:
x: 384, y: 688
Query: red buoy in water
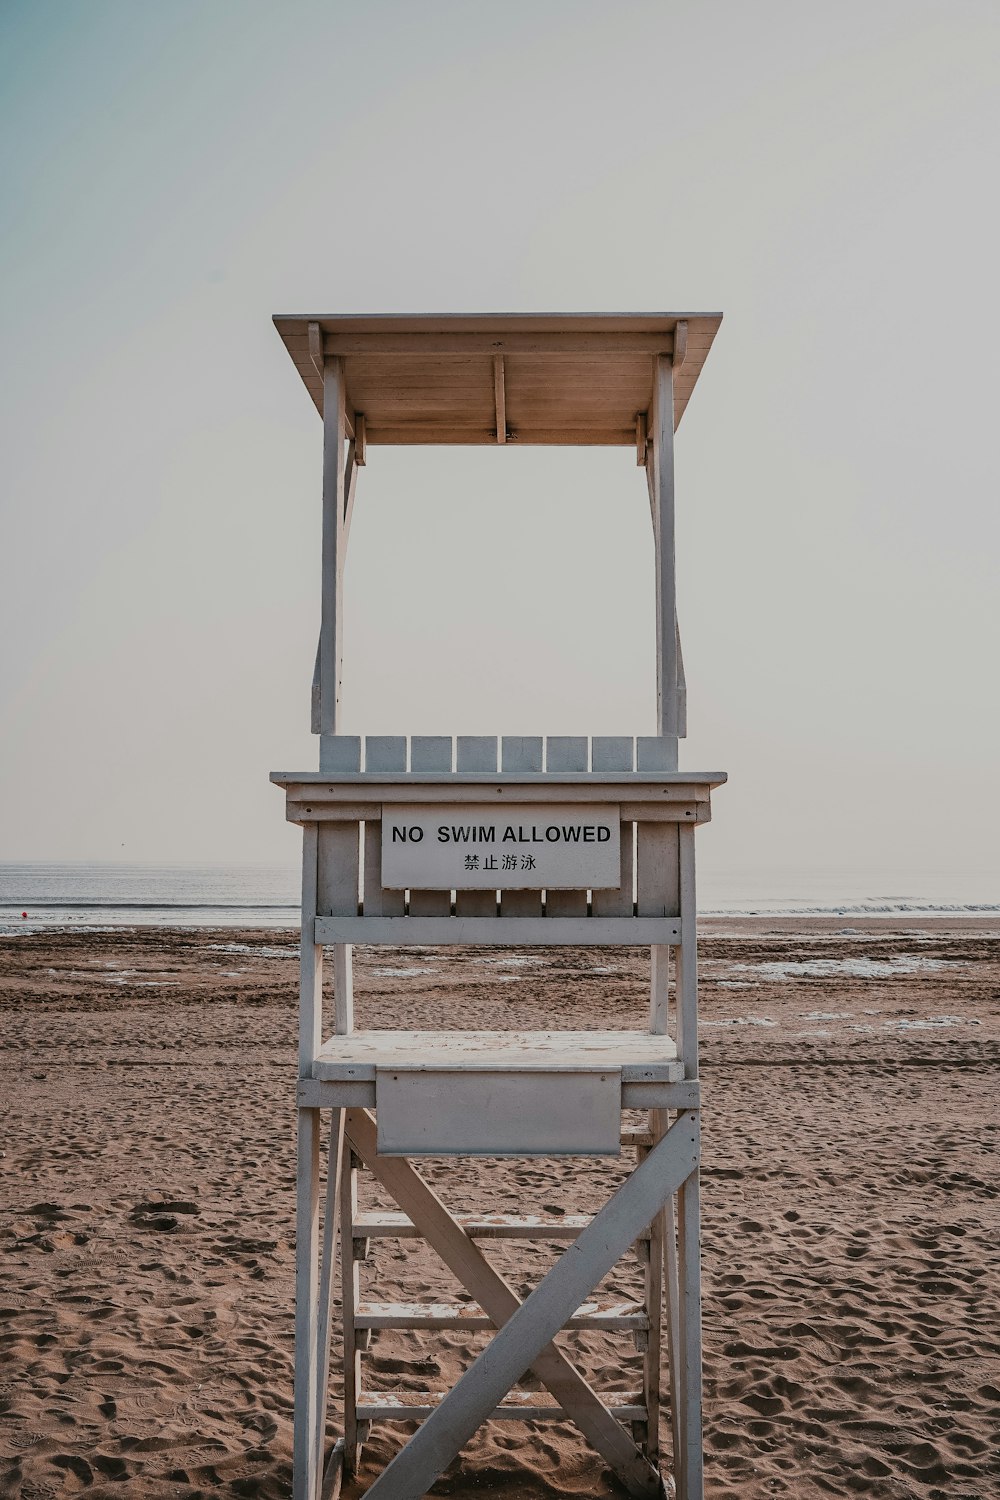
x: 24, y: 914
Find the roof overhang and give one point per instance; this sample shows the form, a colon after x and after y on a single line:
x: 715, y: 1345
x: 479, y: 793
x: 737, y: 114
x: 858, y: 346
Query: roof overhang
x: 562, y: 379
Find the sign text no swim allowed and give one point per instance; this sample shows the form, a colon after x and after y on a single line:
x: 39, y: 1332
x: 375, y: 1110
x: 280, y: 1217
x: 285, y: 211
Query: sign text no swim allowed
x: 559, y: 847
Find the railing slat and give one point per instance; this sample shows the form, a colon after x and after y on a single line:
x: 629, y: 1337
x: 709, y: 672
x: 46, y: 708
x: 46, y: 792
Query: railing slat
x: 521, y: 753
x: 612, y: 752
x: 430, y: 753
x: 475, y: 752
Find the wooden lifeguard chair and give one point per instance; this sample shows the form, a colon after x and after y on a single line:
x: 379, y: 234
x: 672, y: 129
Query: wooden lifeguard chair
x: 566, y: 841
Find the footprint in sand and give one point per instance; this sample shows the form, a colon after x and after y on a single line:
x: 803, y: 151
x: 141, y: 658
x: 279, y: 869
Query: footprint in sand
x: 161, y: 1214
x: 75, y: 1465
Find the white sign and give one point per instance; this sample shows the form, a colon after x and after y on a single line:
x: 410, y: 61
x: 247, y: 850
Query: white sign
x: 475, y: 848
x: 482, y: 1112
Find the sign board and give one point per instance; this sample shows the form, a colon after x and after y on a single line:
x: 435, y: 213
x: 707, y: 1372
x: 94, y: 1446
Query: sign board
x: 485, y: 848
x: 443, y: 1111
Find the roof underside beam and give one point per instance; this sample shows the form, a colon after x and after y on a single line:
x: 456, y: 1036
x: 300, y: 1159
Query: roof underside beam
x: 458, y: 345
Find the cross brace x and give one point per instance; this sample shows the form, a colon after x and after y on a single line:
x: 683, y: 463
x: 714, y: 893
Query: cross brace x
x: 526, y: 1329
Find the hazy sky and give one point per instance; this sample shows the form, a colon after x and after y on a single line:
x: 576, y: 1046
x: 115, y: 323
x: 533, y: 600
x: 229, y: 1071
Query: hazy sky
x: 826, y: 175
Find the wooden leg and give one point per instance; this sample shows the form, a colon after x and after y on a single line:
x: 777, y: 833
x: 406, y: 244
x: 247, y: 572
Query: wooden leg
x: 673, y: 1325
x: 529, y: 1330
x: 331, y: 1214
x: 350, y: 1293
x: 653, y: 1297
x: 689, y: 1254
x: 333, y: 1474
x: 305, y: 1480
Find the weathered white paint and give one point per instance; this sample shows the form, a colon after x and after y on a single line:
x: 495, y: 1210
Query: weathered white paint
x: 333, y: 546
x: 359, y: 1093
x: 331, y: 1216
x: 516, y: 1092
x: 466, y: 1261
x: 514, y: 1349
x: 445, y: 931
x: 637, y: 1055
x: 691, y: 1450
x: 421, y: 1112
x: 350, y: 1290
x: 517, y: 1406
x: 622, y: 1317
x: 308, y: 1381
x: 389, y: 1224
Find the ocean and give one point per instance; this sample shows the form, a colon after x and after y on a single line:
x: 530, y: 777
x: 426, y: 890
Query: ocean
x: 34, y: 896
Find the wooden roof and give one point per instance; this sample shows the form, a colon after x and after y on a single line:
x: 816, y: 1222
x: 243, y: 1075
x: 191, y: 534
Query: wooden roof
x: 562, y: 379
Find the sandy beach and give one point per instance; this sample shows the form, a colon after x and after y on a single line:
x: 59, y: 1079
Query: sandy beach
x: 851, y: 1239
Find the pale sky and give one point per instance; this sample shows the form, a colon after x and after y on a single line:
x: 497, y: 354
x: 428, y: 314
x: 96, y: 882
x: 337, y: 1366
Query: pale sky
x: 825, y: 175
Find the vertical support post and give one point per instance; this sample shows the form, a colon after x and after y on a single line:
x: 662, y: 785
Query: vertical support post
x: 339, y: 479
x: 652, y: 1360
x: 689, y: 1454
x: 310, y: 957
x: 331, y: 633
x: 339, y: 854
x: 687, y: 958
x: 306, y: 1475
x: 659, y: 844
x: 659, y: 989
x: 667, y: 717
x: 690, y: 1457
x: 670, y: 1274
x: 343, y: 989
x: 331, y: 1219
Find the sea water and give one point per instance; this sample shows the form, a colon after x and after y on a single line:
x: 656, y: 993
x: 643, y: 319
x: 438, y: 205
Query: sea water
x: 267, y: 895
x: 112, y: 895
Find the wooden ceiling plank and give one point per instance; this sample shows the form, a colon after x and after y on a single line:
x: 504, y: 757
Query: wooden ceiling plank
x: 566, y: 379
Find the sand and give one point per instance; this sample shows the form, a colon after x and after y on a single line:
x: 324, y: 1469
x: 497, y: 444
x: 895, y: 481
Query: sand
x: 851, y: 1231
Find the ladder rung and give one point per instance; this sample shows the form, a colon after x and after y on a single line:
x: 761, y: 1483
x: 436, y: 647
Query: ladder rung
x: 477, y: 1226
x: 390, y: 1225
x: 611, y: 1315
x: 517, y: 1406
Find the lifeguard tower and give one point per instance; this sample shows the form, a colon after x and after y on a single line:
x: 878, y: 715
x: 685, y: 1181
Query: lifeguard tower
x: 561, y: 840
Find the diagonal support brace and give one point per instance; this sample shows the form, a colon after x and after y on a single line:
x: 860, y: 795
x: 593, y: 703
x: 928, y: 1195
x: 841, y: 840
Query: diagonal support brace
x: 540, y: 1317
x: 467, y: 1262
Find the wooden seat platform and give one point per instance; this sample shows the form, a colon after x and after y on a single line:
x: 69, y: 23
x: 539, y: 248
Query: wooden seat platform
x: 485, y: 1093
x: 641, y: 1057
x: 645, y: 1067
